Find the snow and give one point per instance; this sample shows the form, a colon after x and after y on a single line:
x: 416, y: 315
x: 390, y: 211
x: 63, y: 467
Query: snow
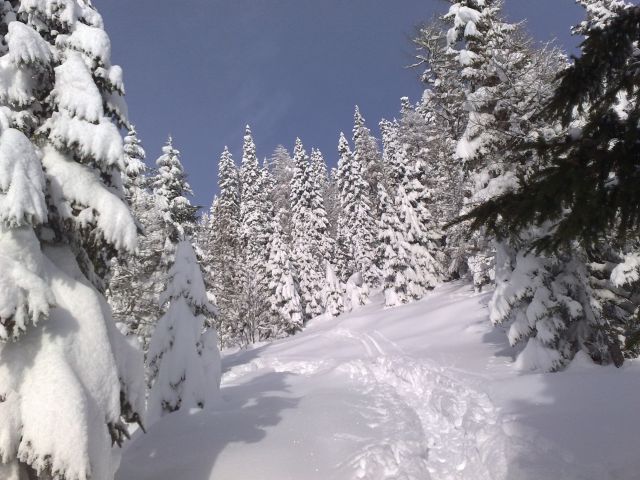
x: 67, y: 11
x: 467, y: 57
x: 628, y: 271
x: 21, y: 181
x: 26, y: 45
x: 60, y: 383
x: 73, y: 183
x: 98, y: 142
x: 425, y: 390
x: 24, y: 295
x: 75, y: 90
x: 92, y: 41
x: 16, y: 84
x: 333, y: 293
x: 356, y: 292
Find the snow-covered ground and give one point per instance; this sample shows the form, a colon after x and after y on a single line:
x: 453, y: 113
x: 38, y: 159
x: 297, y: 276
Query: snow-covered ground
x: 428, y: 390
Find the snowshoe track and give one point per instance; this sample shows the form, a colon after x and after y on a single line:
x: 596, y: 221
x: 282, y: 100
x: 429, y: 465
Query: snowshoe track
x: 449, y: 430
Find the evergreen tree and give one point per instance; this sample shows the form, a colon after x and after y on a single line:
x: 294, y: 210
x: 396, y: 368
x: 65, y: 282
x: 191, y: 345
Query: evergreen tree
x: 225, y: 247
x: 396, y: 266
x: 356, y: 250
x: 326, y: 203
x: 393, y: 167
x: 177, y: 360
x: 367, y: 154
x: 416, y: 200
x: 137, y: 279
x: 551, y: 209
x: 255, y: 220
x: 286, y: 308
x: 592, y: 188
x: 134, y: 156
x: 67, y: 373
x: 442, y: 107
x: 309, y: 232
x: 333, y: 293
x: 172, y: 190
x: 281, y: 165
x: 250, y: 188
x: 486, y: 57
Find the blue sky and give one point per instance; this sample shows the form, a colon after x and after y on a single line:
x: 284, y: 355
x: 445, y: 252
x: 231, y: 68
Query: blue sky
x: 202, y: 69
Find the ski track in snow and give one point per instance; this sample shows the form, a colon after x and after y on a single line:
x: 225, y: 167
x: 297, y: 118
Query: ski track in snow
x: 432, y: 424
x: 455, y: 428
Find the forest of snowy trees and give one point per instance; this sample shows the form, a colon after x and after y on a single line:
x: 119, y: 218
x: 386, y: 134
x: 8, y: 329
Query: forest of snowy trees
x: 517, y: 169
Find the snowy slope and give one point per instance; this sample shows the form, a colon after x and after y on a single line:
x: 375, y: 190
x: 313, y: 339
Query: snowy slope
x: 427, y: 390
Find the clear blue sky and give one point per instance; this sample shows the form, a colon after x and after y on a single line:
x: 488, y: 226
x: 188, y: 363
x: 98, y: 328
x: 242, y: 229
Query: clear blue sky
x: 202, y: 69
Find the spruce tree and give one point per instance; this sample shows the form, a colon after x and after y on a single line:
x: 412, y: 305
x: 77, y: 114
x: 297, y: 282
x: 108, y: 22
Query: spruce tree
x: 225, y: 250
x: 578, y: 177
x: 333, y: 293
x: 582, y: 198
x: 393, y: 167
x: 356, y: 249
x: 281, y: 167
x: 397, y: 271
x: 286, y: 308
x: 483, y: 53
x: 172, y: 191
x: 64, y: 387
x: 416, y: 200
x: 137, y: 279
x: 180, y: 375
x: 442, y: 107
x: 367, y: 154
x: 250, y: 188
x: 134, y: 156
x: 309, y: 232
x: 255, y: 221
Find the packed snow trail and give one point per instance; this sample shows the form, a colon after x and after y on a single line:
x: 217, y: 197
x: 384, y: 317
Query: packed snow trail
x: 424, y: 391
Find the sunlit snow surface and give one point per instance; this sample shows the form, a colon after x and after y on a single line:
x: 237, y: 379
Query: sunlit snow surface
x: 427, y: 390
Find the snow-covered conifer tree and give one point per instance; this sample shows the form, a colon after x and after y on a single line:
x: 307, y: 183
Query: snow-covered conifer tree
x: 367, y: 154
x: 225, y: 249
x: 397, y: 271
x: 286, y: 308
x: 255, y: 207
x: 555, y: 294
x: 68, y: 378
x: 281, y: 165
x: 172, y: 190
x: 310, y: 240
x: 356, y: 247
x: 333, y: 293
x: 442, y: 120
x: 135, y: 168
x: 181, y: 374
x: 327, y: 204
x: 416, y: 201
x: 251, y: 199
x: 137, y: 280
x: 488, y: 59
x: 393, y: 167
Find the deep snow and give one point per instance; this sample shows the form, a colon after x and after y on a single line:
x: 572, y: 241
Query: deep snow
x: 427, y: 390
